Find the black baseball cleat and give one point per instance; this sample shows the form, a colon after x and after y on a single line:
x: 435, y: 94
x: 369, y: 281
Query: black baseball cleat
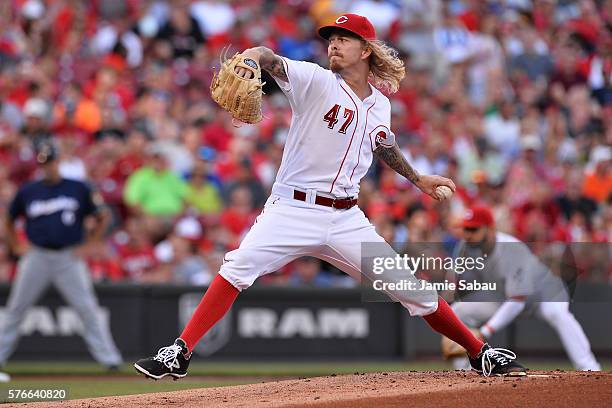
x: 172, y: 360
x: 497, y: 361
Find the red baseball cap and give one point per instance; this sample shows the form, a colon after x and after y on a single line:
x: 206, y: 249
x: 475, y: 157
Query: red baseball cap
x: 354, y: 23
x: 478, y: 216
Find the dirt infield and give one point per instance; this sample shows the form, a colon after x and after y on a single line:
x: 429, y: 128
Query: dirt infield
x: 404, y: 389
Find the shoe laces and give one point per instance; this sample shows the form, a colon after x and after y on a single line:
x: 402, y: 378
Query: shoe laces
x: 493, y: 357
x: 167, y: 355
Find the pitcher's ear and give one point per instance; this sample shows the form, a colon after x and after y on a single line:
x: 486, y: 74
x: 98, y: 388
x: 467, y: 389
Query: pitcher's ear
x: 366, y: 51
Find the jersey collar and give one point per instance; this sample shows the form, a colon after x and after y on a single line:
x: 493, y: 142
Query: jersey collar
x: 367, y: 101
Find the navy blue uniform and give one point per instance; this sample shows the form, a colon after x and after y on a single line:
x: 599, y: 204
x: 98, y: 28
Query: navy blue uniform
x: 54, y: 213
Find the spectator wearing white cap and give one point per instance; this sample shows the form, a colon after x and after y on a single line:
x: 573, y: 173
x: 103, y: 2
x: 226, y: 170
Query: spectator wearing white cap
x: 33, y: 9
x: 36, y: 108
x: 35, y: 130
x: 178, y: 255
x: 37, y: 115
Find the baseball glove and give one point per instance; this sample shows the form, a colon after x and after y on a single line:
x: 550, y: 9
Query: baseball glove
x: 239, y: 96
x: 451, y: 349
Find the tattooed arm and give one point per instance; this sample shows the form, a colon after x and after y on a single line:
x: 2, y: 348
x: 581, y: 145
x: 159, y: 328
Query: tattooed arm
x: 395, y: 159
x: 273, y: 64
x: 268, y: 61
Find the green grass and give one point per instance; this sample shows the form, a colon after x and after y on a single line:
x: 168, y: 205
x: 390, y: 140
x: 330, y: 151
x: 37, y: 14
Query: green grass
x: 226, y: 369
x: 264, y: 369
x: 91, y: 388
x: 86, y: 379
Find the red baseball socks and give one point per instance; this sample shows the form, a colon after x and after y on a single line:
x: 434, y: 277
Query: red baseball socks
x: 216, y: 302
x: 221, y: 295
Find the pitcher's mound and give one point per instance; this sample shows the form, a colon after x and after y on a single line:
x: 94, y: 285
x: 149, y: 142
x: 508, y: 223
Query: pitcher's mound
x: 404, y: 389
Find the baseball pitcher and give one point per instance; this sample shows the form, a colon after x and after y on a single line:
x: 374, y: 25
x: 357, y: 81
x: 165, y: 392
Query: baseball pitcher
x: 340, y: 122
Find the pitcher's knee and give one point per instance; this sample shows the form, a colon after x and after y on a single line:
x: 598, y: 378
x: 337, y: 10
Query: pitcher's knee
x: 235, y: 281
x: 421, y: 309
x: 430, y: 296
x: 241, y: 268
x: 422, y: 303
x: 239, y: 278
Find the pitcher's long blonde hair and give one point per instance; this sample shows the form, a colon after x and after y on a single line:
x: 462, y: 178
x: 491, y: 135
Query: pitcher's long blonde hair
x: 386, y: 68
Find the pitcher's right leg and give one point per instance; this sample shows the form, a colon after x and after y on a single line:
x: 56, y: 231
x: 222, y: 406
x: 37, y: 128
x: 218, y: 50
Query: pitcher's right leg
x: 282, y: 233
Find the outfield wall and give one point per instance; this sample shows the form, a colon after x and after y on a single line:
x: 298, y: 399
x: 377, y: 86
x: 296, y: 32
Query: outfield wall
x: 281, y: 323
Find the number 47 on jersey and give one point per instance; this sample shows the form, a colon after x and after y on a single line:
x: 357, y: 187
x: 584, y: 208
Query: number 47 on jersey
x: 331, y: 117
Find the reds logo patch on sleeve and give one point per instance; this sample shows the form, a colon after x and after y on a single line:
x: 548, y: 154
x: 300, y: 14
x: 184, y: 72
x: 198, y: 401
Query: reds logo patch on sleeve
x: 383, y: 136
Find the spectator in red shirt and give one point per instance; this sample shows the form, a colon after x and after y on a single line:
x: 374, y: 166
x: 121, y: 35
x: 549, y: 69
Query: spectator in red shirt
x: 240, y: 213
x: 135, y: 251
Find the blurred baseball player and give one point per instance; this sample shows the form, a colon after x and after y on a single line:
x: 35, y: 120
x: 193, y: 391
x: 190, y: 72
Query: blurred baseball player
x: 55, y: 209
x: 339, y: 123
x: 529, y: 286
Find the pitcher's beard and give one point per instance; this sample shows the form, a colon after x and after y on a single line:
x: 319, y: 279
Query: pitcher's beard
x: 334, y: 66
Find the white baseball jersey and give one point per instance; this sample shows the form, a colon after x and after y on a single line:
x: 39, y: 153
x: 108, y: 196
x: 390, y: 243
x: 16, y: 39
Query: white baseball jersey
x: 333, y: 133
x: 329, y: 149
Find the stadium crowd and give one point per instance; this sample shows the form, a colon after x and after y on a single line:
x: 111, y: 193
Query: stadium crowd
x: 511, y: 99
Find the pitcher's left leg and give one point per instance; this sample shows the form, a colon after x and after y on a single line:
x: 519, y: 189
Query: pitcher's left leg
x: 350, y: 230
x: 473, y: 313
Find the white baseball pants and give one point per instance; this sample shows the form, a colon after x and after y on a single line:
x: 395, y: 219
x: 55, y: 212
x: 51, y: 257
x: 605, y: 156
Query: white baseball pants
x: 288, y: 229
